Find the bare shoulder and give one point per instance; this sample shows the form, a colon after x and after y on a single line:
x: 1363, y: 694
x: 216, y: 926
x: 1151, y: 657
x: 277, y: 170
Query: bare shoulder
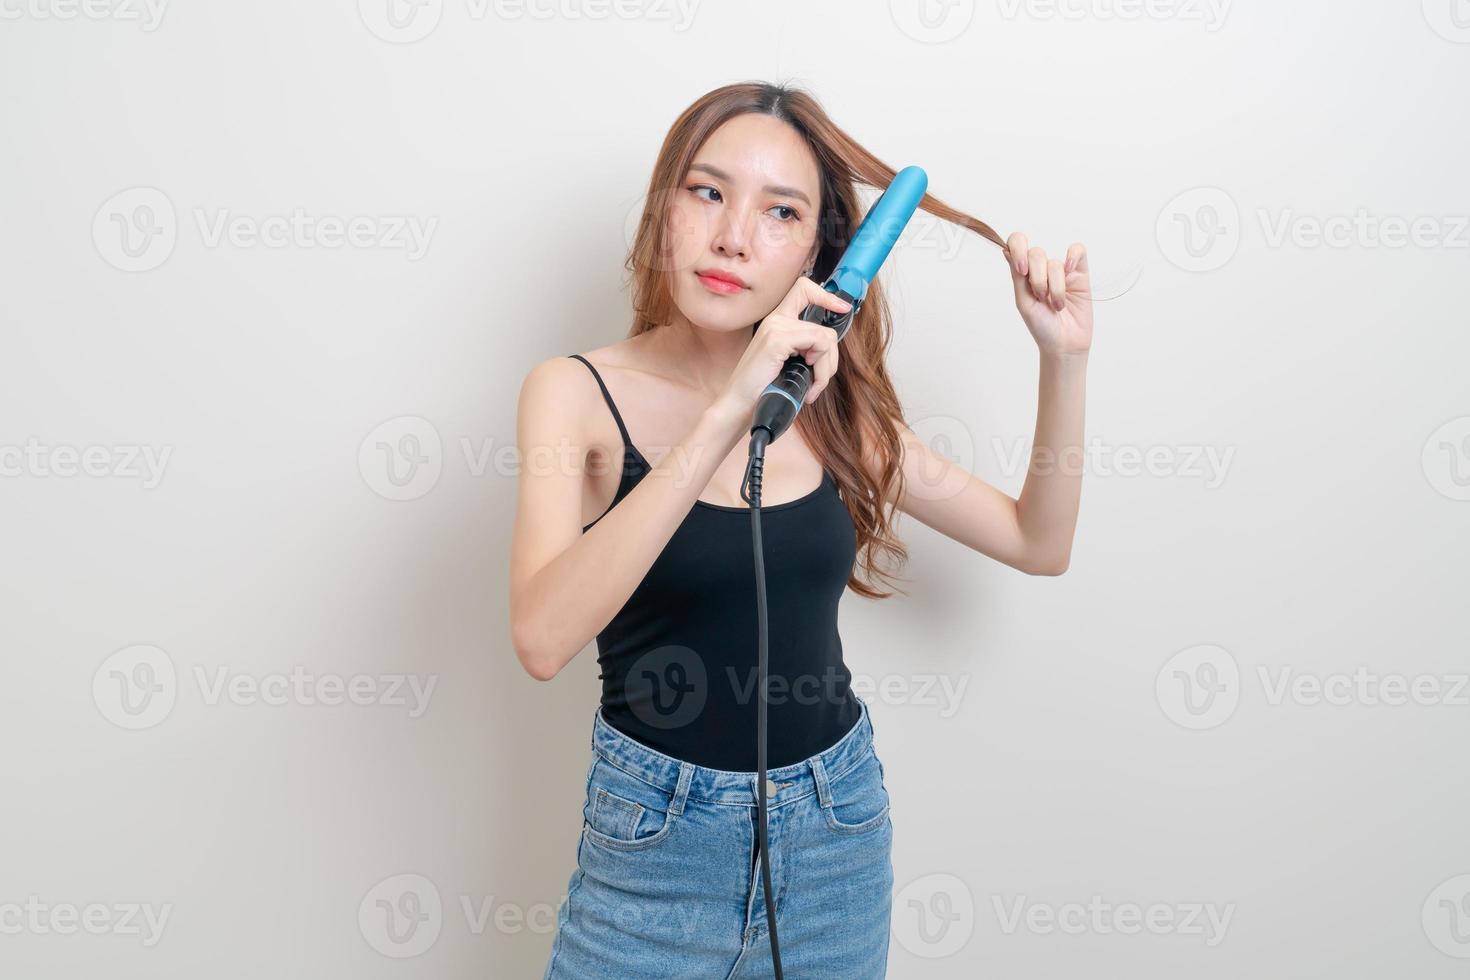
x: 552, y: 381
x: 560, y: 398
x: 554, y: 403
x: 623, y: 357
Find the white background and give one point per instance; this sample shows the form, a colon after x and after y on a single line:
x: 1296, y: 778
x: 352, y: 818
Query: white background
x: 1327, y: 380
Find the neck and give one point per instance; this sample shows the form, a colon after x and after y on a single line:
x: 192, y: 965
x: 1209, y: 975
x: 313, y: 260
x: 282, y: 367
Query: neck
x: 704, y: 358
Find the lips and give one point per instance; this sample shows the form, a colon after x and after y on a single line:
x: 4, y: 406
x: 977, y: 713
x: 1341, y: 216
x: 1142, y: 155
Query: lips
x: 719, y: 281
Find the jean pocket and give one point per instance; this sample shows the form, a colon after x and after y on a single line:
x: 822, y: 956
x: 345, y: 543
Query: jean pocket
x: 859, y: 798
x: 624, y: 812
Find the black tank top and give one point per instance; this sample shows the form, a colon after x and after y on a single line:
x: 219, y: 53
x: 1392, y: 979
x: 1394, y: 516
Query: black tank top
x: 678, y: 661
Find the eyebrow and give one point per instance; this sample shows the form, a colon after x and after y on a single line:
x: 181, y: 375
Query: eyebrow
x: 769, y: 188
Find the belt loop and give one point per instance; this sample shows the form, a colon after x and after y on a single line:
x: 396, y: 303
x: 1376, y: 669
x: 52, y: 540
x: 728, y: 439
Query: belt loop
x: 824, y: 789
x: 681, y: 792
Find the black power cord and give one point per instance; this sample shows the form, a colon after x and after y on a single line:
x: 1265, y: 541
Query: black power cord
x: 750, y: 492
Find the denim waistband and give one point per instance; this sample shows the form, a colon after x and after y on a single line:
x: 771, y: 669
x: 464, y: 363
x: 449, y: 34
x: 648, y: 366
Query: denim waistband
x: 685, y: 781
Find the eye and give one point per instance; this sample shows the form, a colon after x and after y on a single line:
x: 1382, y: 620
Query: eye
x: 785, y: 211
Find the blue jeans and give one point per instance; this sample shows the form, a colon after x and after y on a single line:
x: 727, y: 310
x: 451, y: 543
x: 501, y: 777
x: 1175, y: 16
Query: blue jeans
x: 668, y: 879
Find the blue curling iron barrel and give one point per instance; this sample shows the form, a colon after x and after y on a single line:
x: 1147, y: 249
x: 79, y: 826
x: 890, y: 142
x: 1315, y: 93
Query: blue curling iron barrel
x: 782, y: 399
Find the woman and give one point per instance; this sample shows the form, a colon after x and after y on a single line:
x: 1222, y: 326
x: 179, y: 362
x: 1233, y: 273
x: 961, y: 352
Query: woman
x: 631, y: 527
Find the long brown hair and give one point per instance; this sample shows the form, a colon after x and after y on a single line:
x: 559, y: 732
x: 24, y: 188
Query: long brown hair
x: 861, y: 397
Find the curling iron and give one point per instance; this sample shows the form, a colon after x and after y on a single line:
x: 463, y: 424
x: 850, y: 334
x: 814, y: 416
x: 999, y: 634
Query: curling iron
x: 777, y: 408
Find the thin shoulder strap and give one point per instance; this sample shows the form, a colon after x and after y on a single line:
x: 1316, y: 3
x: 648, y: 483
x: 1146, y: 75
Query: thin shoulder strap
x: 617, y: 416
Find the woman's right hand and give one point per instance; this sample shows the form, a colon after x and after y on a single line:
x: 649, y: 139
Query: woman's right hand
x: 780, y: 335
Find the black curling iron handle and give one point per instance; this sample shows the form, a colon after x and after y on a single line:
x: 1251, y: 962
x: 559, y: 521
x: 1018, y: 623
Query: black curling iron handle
x: 782, y: 399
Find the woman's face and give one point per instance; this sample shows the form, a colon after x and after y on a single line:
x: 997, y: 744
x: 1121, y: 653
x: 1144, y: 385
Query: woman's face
x: 746, y: 210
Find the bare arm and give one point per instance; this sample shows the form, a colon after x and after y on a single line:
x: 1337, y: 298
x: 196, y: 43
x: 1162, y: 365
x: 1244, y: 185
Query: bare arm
x: 1033, y: 534
x: 1046, y: 512
x: 565, y: 585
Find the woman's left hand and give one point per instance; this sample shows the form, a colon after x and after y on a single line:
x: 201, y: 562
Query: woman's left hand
x: 1053, y: 296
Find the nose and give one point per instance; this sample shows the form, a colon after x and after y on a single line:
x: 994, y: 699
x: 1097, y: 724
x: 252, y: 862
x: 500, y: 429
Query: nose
x: 731, y: 238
